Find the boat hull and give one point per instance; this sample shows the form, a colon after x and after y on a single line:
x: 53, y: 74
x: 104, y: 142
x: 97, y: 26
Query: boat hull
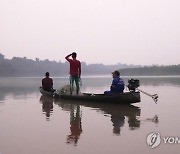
x: 122, y: 98
x: 46, y: 93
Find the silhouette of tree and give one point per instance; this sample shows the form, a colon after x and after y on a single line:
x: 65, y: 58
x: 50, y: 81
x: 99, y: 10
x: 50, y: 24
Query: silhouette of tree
x: 27, y: 67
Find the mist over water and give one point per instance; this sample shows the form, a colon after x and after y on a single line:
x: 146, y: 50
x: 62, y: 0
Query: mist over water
x: 34, y: 124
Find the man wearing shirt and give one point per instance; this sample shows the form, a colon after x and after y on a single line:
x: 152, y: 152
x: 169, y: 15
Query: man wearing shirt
x: 117, y: 85
x: 75, y: 71
x: 47, y: 83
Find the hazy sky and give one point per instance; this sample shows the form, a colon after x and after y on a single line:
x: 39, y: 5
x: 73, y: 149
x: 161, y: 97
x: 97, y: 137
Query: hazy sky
x: 101, y: 31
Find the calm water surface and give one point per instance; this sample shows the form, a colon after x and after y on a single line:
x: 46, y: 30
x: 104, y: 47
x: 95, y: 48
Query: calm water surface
x: 32, y: 124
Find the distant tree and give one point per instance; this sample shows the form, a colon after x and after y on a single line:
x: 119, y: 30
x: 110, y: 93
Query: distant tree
x: 37, y: 59
x: 27, y: 67
x: 1, y: 57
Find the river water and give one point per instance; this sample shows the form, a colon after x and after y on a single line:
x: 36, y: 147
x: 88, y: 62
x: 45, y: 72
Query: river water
x: 32, y: 124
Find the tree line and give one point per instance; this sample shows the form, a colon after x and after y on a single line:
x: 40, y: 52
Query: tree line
x: 170, y: 70
x: 24, y: 67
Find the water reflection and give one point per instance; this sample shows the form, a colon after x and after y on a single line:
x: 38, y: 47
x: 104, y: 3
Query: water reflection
x: 121, y: 112
x: 117, y: 113
x: 155, y: 119
x: 75, y: 124
x: 47, y: 106
x: 118, y: 122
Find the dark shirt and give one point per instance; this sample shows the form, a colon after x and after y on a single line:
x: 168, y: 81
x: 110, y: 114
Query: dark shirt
x: 117, y: 85
x: 47, y: 84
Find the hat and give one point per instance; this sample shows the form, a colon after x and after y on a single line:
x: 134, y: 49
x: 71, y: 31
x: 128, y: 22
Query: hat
x: 116, y: 72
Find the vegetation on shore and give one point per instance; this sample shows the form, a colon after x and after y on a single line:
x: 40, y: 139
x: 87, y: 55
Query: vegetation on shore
x: 24, y: 67
x: 171, y: 70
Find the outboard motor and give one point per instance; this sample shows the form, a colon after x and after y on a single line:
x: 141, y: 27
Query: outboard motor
x: 133, y: 84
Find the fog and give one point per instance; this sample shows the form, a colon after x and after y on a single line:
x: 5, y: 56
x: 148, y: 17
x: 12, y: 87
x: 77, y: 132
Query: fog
x: 141, y: 32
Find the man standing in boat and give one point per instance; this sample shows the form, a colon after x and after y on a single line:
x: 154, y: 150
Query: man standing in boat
x: 117, y: 85
x: 75, y: 71
x: 47, y: 83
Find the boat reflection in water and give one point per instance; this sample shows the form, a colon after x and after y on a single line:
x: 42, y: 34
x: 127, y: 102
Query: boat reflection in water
x: 117, y: 113
x: 47, y: 106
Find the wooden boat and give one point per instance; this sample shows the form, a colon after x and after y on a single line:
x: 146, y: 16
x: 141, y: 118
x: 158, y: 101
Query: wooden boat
x: 46, y: 93
x: 121, y: 98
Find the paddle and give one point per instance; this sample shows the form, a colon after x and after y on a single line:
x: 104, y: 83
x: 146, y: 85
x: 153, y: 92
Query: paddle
x: 154, y: 97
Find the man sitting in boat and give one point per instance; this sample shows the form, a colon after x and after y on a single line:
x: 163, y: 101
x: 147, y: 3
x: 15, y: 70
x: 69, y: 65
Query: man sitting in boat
x: 117, y: 85
x: 47, y: 83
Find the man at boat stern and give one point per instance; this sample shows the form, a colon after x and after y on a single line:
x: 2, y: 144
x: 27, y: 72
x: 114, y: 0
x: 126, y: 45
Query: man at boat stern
x: 75, y: 71
x: 117, y: 85
x: 47, y: 83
